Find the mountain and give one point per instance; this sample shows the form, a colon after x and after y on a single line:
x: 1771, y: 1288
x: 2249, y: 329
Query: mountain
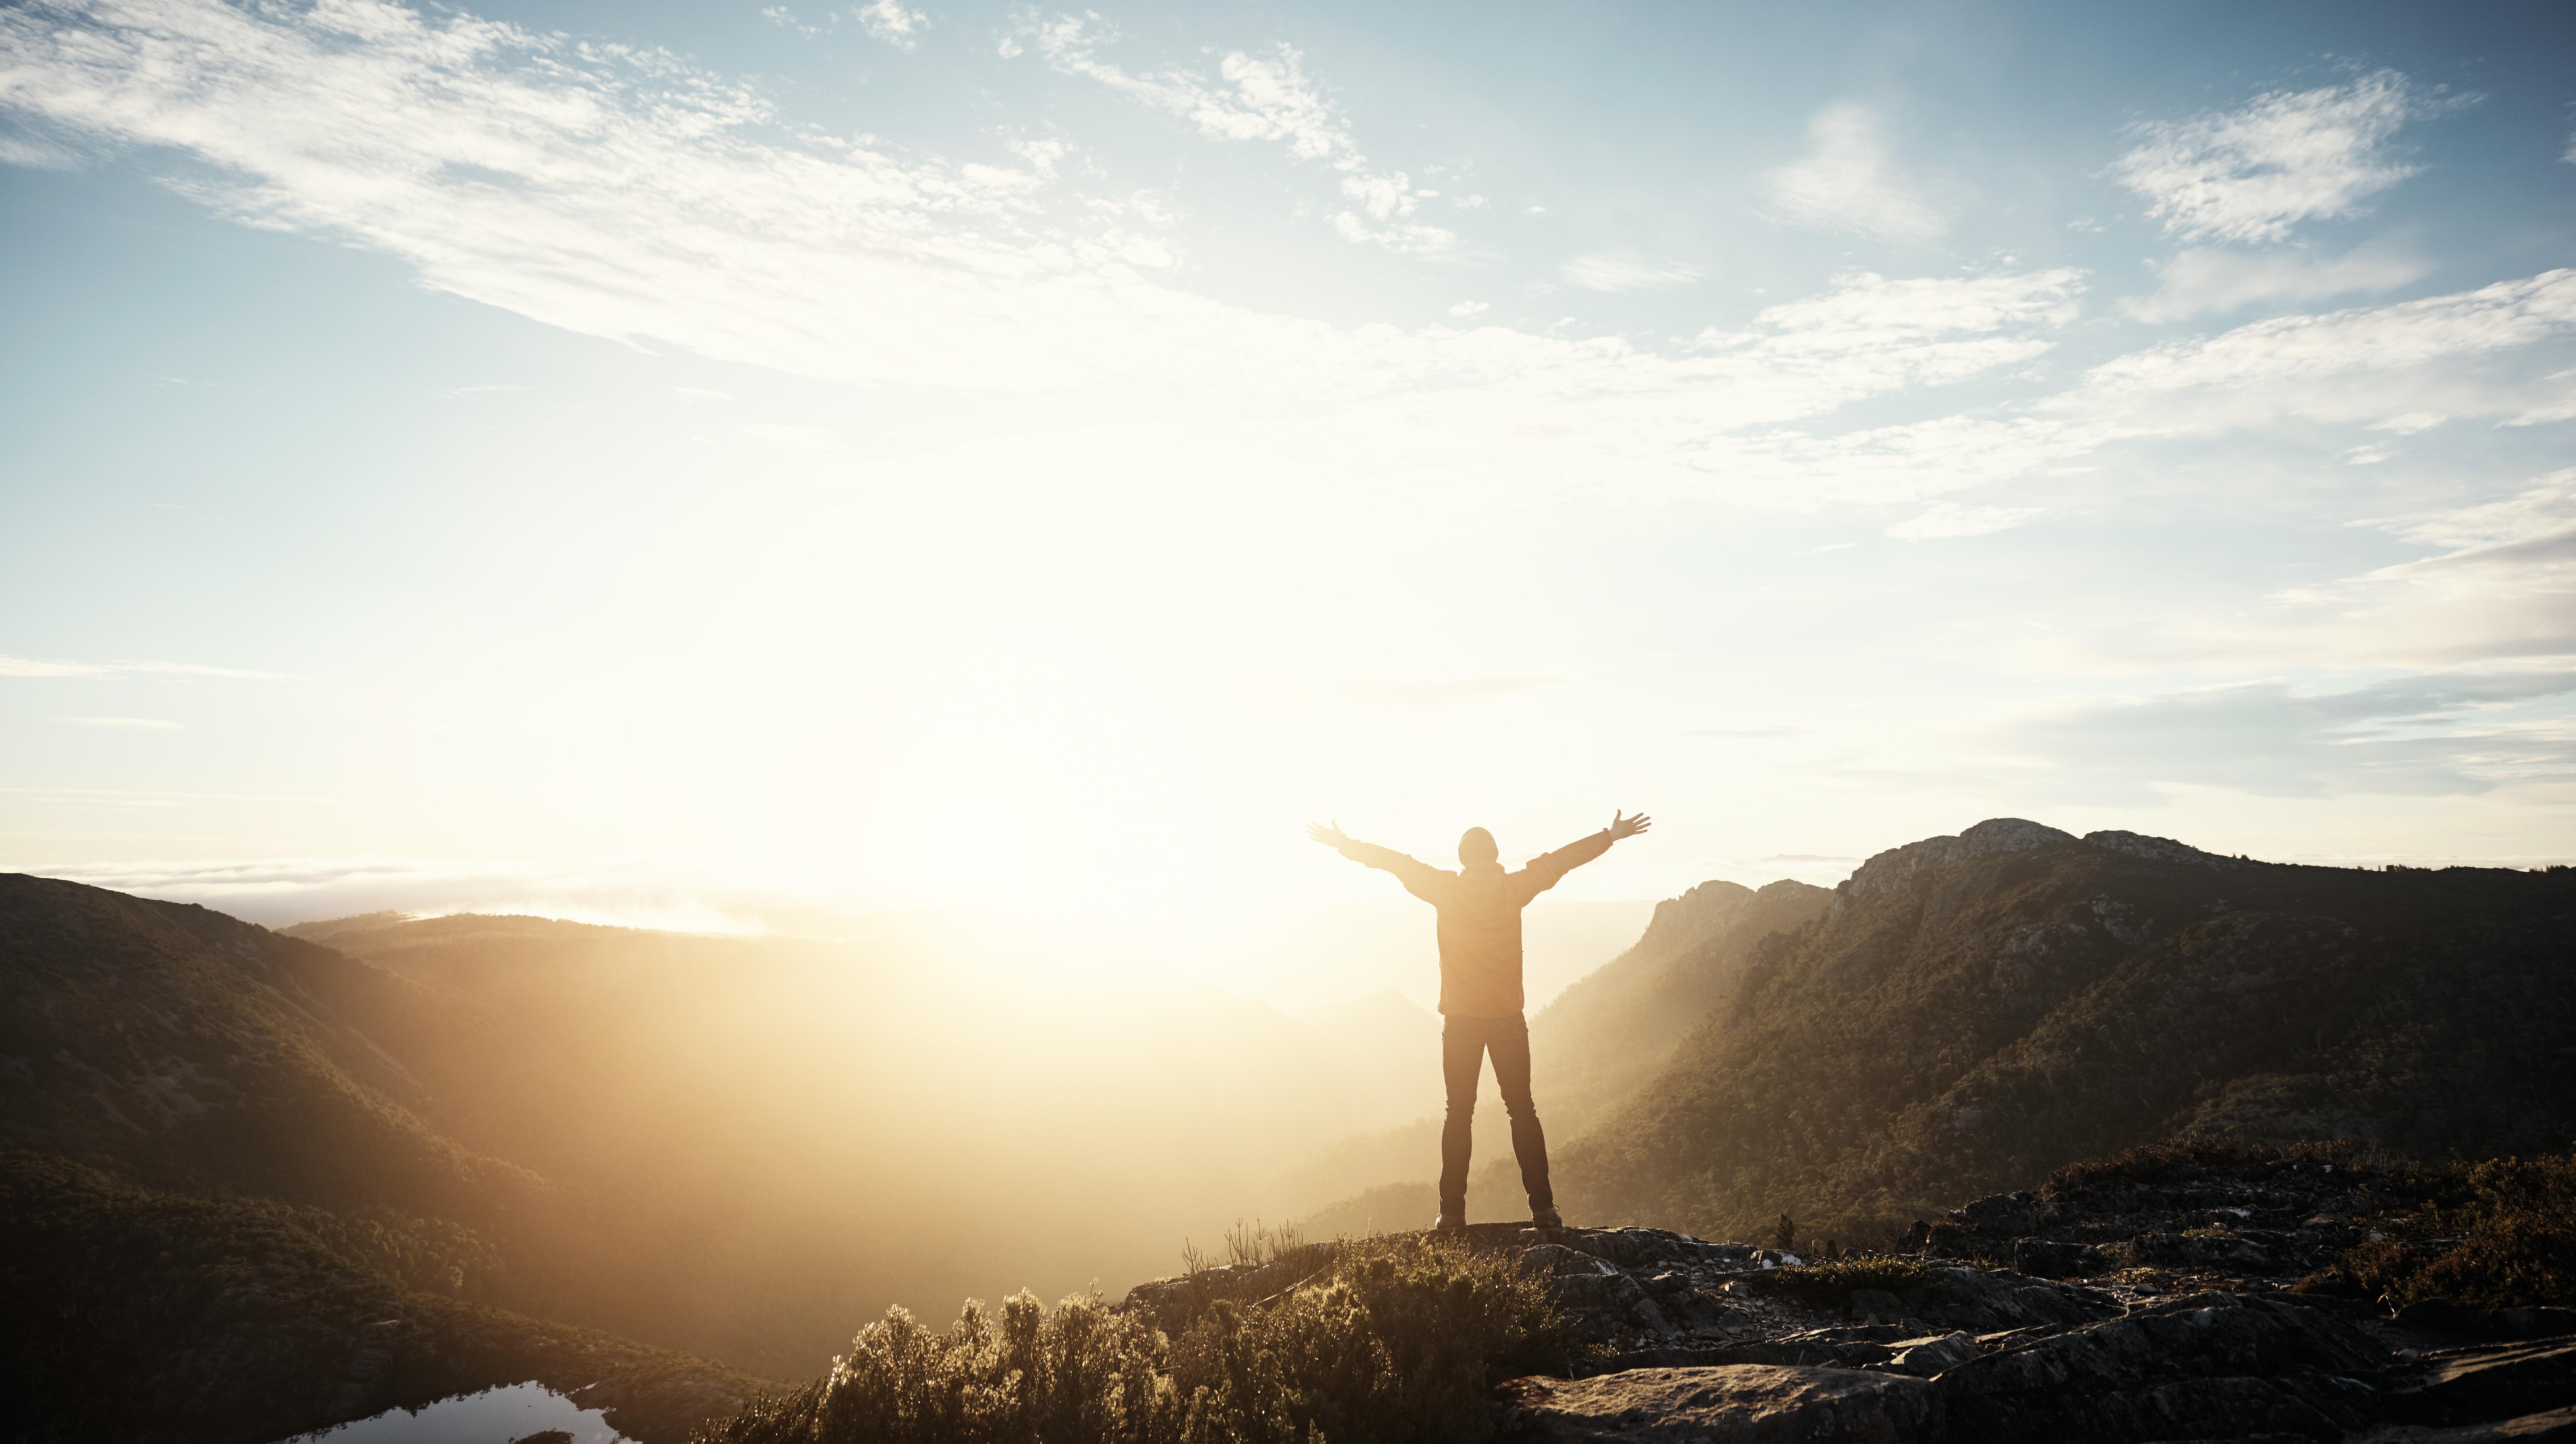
x: 182, y: 1048
x: 1612, y: 1032
x: 1974, y: 1011
x: 237, y: 1207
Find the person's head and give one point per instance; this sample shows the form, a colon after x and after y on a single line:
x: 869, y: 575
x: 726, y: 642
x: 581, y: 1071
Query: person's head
x: 1477, y: 847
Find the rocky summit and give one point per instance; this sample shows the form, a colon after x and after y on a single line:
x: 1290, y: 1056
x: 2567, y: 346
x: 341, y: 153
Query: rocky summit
x: 2196, y: 1306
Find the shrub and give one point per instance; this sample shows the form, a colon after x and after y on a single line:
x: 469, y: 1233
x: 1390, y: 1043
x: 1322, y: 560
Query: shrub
x: 1395, y: 1338
x: 2191, y: 1155
x: 2515, y: 1221
x: 1840, y: 1277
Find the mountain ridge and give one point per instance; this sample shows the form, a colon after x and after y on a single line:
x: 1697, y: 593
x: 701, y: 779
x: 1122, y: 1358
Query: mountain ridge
x: 1976, y: 1010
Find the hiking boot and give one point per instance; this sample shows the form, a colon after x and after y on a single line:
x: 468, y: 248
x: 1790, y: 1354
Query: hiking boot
x: 1546, y: 1216
x: 1450, y: 1223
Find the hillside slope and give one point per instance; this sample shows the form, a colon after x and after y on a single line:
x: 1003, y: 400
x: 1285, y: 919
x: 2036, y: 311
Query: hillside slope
x: 1612, y: 1032
x: 1977, y: 1010
x: 186, y: 1049
x: 143, y: 1315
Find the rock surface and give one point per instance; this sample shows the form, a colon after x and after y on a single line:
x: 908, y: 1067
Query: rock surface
x: 1754, y: 1403
x: 2147, y: 1310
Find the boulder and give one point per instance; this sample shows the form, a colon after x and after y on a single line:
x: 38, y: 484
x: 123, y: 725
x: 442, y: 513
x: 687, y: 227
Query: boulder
x: 2004, y: 1215
x: 2044, y: 1259
x: 1732, y: 1404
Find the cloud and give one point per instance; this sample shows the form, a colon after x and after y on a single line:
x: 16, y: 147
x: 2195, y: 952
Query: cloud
x: 2254, y: 173
x: 32, y: 667
x: 1466, y: 309
x: 785, y: 19
x: 629, y: 892
x: 1621, y: 271
x: 2382, y: 364
x: 889, y: 21
x: 1846, y: 182
x: 2420, y: 734
x: 2200, y: 281
x: 35, y: 155
x: 627, y: 195
x: 1259, y: 98
x: 141, y: 724
x: 1952, y: 520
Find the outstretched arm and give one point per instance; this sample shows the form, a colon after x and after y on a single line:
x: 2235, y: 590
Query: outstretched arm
x: 1419, y: 879
x: 1543, y: 872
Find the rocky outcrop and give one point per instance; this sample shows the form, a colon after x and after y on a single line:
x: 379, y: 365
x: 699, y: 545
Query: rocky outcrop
x: 1898, y: 867
x: 2152, y: 1303
x: 1755, y: 1403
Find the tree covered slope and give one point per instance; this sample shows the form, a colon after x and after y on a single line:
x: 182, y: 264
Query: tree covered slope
x: 1975, y: 1011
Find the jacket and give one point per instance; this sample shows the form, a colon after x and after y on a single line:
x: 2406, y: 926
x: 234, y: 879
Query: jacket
x: 1480, y: 918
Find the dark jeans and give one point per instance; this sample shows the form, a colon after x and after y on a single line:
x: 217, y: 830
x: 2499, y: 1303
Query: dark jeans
x: 1463, y: 1045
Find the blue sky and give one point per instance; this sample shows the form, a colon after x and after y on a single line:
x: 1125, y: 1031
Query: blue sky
x: 721, y: 465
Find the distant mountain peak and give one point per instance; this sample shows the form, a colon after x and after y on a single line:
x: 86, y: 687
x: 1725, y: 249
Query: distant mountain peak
x: 1682, y: 921
x: 1899, y: 866
x: 2163, y: 849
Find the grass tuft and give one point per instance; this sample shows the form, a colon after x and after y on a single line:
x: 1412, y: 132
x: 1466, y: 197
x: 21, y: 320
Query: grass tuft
x: 1837, y: 1278
x: 1392, y: 1338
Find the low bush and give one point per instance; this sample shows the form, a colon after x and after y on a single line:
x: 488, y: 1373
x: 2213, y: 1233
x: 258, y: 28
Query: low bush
x: 2515, y: 1224
x: 1839, y: 1277
x: 2193, y: 1155
x: 1393, y: 1338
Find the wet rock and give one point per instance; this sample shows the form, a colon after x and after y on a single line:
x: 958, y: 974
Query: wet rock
x: 1732, y: 1404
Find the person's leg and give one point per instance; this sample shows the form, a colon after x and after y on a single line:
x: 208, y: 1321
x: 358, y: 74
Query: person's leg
x: 1529, y: 1142
x: 1462, y: 1058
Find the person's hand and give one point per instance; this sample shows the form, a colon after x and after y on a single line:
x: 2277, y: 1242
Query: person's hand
x: 1628, y: 826
x: 1332, y: 836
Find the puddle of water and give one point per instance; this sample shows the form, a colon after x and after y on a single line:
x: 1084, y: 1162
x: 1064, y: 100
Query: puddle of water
x: 495, y: 1416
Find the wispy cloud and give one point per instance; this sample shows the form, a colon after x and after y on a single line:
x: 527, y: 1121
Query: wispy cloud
x: 627, y: 892
x: 1265, y: 97
x: 34, y: 667
x: 1847, y: 181
x: 2254, y: 173
x: 630, y: 195
x: 893, y: 23
x: 35, y: 155
x: 1950, y: 519
x: 2422, y: 734
x: 2366, y: 365
x: 2197, y: 282
x: 1626, y: 271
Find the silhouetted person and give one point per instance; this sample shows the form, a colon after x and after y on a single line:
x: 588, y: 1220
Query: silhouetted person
x: 1480, y: 990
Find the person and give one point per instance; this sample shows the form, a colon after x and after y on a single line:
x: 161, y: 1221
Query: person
x: 1480, y: 991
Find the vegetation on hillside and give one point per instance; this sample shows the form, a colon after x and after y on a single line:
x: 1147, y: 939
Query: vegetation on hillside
x: 1609, y: 1034
x: 1393, y: 1338
x: 1991, y: 1017
x: 2491, y: 1235
x: 139, y: 1314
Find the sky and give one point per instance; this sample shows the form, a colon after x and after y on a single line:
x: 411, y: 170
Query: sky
x: 741, y: 467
